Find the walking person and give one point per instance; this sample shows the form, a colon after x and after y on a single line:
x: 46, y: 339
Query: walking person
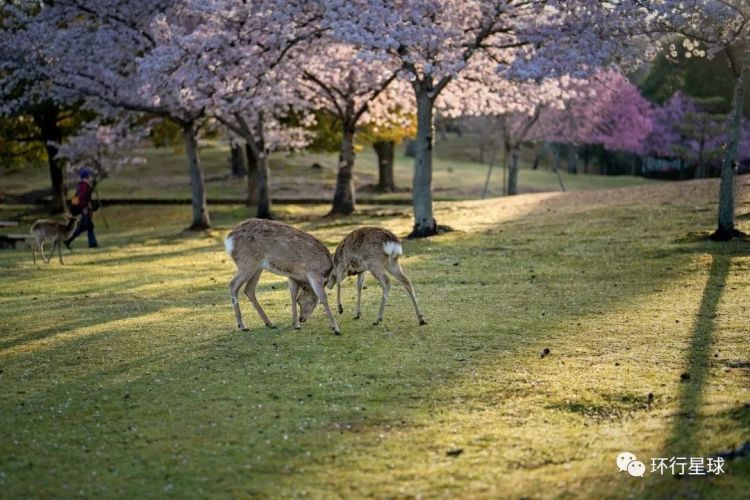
x: 81, y: 205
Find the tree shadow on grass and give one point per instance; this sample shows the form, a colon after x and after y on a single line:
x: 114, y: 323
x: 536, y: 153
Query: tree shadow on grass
x: 691, y: 423
x: 684, y: 440
x: 149, y: 257
x: 270, y: 400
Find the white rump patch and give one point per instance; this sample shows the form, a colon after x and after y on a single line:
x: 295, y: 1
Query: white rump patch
x: 229, y: 245
x: 393, y: 248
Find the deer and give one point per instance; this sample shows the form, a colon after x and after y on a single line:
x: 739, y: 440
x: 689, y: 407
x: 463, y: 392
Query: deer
x: 258, y: 245
x: 45, y: 230
x: 376, y: 250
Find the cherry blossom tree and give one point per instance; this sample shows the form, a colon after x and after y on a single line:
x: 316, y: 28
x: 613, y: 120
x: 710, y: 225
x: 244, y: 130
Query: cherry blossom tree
x: 240, y: 60
x: 512, y: 107
x: 26, y: 94
x: 686, y: 128
x: 183, y: 60
x: 347, y: 86
x: 433, y: 42
x: 107, y: 144
x: 605, y: 109
x: 711, y: 28
x: 92, y: 52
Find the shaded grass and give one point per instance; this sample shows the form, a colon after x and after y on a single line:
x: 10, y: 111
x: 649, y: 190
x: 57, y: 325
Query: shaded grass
x: 125, y: 376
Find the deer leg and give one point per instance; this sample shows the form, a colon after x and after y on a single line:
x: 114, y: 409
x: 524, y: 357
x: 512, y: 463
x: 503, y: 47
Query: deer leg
x: 59, y: 251
x: 293, y: 289
x: 398, y: 273
x: 250, y: 292
x: 41, y: 249
x: 317, y: 285
x: 385, y: 283
x: 234, y: 287
x: 338, y: 297
x: 33, y: 251
x: 360, y: 283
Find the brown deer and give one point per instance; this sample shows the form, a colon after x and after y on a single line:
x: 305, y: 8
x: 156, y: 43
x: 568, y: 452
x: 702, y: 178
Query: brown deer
x: 257, y: 245
x: 45, y: 230
x: 376, y: 250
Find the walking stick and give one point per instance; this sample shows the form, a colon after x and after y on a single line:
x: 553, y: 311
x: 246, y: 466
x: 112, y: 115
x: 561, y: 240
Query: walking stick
x: 101, y: 206
x: 101, y: 211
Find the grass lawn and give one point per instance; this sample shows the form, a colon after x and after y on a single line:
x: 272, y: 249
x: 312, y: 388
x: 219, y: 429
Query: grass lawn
x: 165, y: 176
x: 123, y: 375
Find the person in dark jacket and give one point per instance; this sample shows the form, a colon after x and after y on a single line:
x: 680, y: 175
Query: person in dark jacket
x: 81, y: 205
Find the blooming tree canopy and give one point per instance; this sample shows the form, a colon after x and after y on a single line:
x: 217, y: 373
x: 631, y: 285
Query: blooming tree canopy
x: 336, y: 78
x: 604, y: 109
x: 106, y: 145
x: 93, y: 51
x: 433, y: 42
x: 185, y: 60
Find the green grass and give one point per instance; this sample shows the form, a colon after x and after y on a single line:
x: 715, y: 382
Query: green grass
x: 165, y: 176
x: 123, y: 375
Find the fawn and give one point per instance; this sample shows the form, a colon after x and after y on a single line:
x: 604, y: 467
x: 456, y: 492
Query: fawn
x: 257, y: 245
x: 45, y: 230
x: 376, y: 250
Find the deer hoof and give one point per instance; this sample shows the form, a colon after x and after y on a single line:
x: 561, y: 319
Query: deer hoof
x: 337, y: 332
x: 341, y: 309
x: 376, y: 323
x: 297, y: 327
x: 271, y: 326
x: 243, y: 328
x: 356, y: 317
x: 422, y: 322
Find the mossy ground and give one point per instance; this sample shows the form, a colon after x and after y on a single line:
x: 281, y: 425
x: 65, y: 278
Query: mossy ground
x: 123, y: 375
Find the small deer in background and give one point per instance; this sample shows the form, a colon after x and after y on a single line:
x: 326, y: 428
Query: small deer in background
x: 257, y: 245
x: 376, y: 250
x: 44, y: 230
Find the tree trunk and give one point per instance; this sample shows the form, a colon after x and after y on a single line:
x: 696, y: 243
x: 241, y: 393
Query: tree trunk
x: 572, y: 154
x: 237, y: 160
x: 486, y: 188
x: 252, y: 177
x: 264, y: 187
x: 344, y: 198
x: 555, y: 152
x: 200, y: 207
x: 560, y: 180
x: 47, y: 121
x: 384, y: 150
x: 424, y: 222
x: 537, y: 160
x: 513, y: 171
x: 726, y: 230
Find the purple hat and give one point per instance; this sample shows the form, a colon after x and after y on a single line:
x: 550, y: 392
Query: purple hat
x: 85, y: 172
